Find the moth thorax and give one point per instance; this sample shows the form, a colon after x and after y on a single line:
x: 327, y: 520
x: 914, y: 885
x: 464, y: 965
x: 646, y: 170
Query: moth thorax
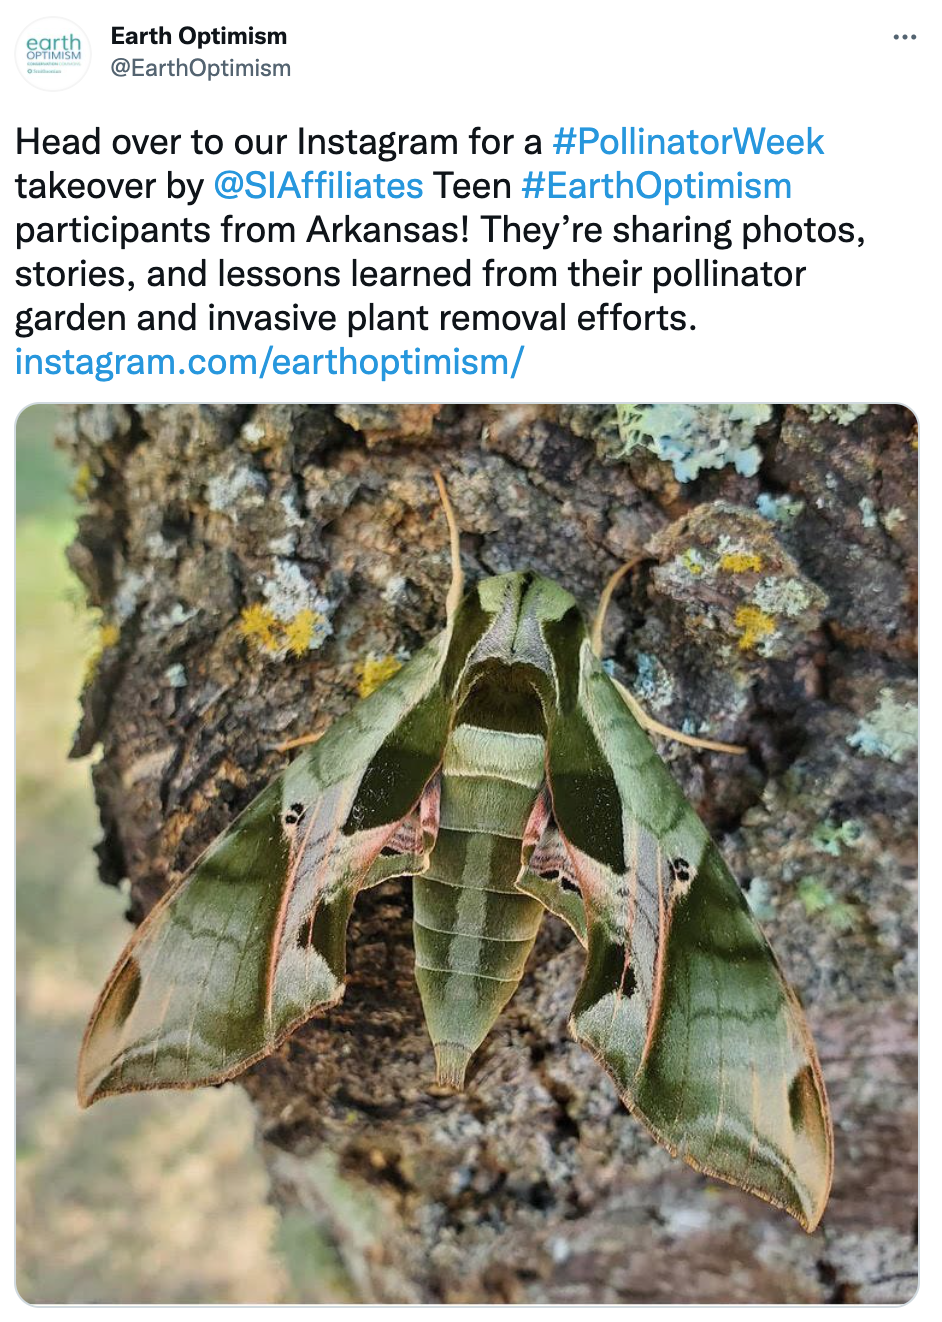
x: 472, y: 751
x: 504, y: 696
x: 451, y: 1062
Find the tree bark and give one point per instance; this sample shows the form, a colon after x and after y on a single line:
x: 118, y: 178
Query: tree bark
x: 535, y: 1185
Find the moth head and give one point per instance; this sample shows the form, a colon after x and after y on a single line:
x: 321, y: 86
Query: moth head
x: 503, y: 635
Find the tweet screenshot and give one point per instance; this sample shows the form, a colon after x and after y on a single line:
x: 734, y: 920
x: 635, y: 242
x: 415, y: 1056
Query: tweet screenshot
x: 466, y: 821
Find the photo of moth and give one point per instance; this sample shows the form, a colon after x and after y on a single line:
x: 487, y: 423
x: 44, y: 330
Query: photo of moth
x: 506, y: 773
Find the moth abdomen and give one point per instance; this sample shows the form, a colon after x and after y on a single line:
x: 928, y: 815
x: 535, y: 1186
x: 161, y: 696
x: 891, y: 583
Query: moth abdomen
x: 473, y: 929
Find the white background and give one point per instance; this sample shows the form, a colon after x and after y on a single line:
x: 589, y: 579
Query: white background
x: 863, y: 326
x: 857, y: 329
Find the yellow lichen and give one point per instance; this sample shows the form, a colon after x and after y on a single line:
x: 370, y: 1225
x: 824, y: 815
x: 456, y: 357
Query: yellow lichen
x: 82, y: 482
x: 374, y: 671
x: 108, y: 635
x: 755, y: 625
x: 299, y: 632
x: 741, y: 562
x: 259, y: 625
x: 692, y: 561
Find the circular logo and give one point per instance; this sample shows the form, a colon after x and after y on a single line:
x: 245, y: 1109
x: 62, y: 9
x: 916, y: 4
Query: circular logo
x: 53, y: 53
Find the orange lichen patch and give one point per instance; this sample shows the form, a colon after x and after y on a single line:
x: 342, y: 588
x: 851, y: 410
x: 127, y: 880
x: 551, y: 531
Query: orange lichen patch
x: 741, y: 562
x: 374, y: 671
x: 755, y: 625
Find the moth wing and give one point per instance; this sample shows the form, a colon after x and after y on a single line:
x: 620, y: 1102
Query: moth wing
x: 252, y: 940
x: 682, y: 1001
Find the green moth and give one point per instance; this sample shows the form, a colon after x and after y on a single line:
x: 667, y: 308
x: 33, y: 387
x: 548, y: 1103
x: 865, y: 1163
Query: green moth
x: 507, y: 774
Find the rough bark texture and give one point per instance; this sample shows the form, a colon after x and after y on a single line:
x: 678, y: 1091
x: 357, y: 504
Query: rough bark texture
x: 789, y: 627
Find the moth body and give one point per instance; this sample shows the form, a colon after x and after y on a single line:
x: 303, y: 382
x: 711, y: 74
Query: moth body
x: 473, y: 929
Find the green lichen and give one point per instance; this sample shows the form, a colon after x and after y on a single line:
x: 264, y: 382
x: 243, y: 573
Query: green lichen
x: 893, y: 518
x: 830, y: 837
x: 239, y: 488
x: 288, y: 593
x: 759, y: 896
x: 868, y: 512
x: 819, y: 901
x: 693, y: 561
x: 175, y: 617
x: 891, y: 730
x: 779, y: 509
x: 782, y: 596
x: 653, y: 685
x: 175, y: 675
x: 128, y: 594
x: 694, y: 437
x: 842, y: 414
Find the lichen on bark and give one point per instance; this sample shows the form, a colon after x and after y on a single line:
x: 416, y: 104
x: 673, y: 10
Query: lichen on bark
x: 775, y: 609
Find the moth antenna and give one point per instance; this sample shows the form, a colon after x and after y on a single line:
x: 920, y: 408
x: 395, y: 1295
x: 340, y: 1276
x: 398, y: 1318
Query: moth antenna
x: 303, y: 739
x: 649, y: 723
x: 456, y: 590
x: 641, y: 716
x: 606, y: 597
x: 310, y: 738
